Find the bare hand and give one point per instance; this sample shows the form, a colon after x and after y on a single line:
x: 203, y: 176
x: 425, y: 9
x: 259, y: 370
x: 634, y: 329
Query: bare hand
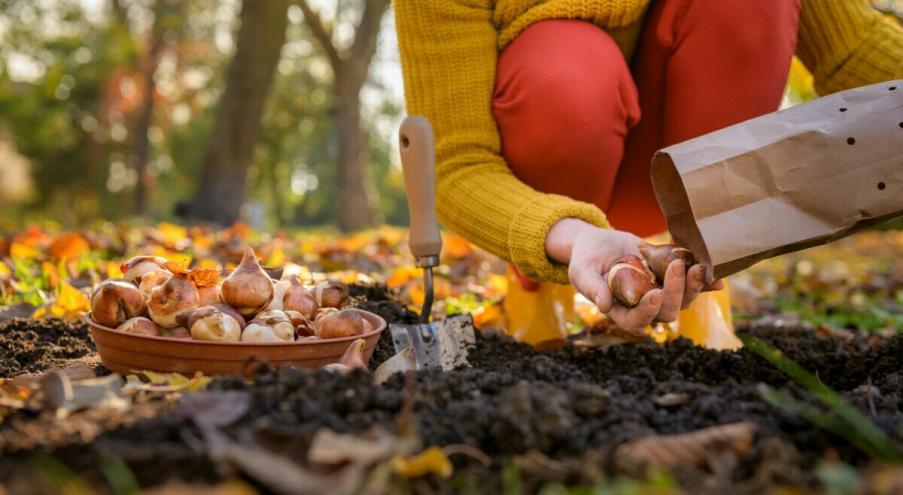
x: 590, y: 251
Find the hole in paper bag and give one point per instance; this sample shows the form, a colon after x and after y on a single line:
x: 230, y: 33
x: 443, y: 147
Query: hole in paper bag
x: 901, y: 125
x: 891, y: 88
x: 881, y: 186
x: 842, y: 109
x: 405, y: 142
x: 851, y: 141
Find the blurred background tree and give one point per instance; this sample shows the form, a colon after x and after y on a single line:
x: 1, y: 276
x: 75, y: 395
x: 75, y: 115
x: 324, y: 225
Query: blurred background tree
x: 114, y: 107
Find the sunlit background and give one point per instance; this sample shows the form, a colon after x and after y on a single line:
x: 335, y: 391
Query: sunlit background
x: 109, y: 110
x: 74, y: 106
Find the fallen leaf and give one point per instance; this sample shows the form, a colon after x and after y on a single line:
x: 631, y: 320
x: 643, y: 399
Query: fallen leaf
x: 169, y: 382
x: 695, y: 448
x: 67, y: 396
x: 68, y: 246
x: 329, y: 447
x: 670, y: 400
x: 70, y: 303
x: 209, y: 408
x: 431, y: 461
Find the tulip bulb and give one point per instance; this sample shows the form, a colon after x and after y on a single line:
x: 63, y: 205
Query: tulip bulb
x: 115, y: 301
x: 352, y: 358
x: 297, y: 298
x: 151, y: 279
x: 269, y: 325
x: 248, y: 289
x: 214, y: 324
x: 133, y: 269
x: 345, y: 323
x: 176, y: 333
x: 207, y: 282
x: 659, y: 257
x: 629, y: 280
x: 139, y: 325
x: 331, y: 294
x: 174, y: 297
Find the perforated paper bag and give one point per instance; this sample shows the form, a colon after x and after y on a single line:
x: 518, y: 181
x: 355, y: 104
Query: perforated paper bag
x: 785, y: 181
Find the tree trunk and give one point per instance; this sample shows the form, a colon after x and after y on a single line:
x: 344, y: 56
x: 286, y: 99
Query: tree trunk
x: 354, y: 208
x: 230, y: 151
x: 141, y: 145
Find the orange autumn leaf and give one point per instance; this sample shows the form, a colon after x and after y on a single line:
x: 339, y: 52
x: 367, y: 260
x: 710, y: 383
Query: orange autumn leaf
x: 204, y: 278
x: 402, y: 275
x: 488, y: 316
x: 68, y: 246
x: 455, y: 246
x: 176, y: 267
x: 23, y: 251
x: 239, y: 230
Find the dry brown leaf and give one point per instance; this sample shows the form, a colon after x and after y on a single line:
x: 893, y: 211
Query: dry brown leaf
x: 329, y: 447
x: 693, y: 448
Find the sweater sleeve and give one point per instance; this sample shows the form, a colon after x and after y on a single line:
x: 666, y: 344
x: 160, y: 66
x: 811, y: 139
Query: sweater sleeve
x: 846, y: 43
x: 448, y: 55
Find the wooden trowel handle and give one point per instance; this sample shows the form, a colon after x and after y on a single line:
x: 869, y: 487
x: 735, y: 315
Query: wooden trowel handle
x: 418, y: 160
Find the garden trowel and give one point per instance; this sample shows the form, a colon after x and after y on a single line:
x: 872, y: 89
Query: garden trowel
x: 444, y: 343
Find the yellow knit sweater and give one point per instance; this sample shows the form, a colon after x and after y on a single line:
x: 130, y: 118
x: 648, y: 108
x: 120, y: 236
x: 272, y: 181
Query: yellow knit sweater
x: 449, y: 50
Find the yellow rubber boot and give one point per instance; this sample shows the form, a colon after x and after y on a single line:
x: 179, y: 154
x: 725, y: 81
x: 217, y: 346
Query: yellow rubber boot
x: 707, y: 322
x: 537, y: 313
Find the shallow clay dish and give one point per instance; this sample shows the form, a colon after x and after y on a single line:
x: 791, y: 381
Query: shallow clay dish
x: 125, y: 352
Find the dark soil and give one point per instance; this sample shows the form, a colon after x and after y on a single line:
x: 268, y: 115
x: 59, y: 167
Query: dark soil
x: 31, y: 346
x: 558, y: 415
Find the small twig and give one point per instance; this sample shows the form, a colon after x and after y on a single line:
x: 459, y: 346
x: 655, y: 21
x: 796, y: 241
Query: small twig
x: 870, y: 397
x: 468, y: 450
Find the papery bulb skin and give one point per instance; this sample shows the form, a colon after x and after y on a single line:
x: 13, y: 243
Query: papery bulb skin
x: 345, y: 323
x: 152, y: 279
x: 658, y: 257
x: 169, y: 300
x: 115, y: 301
x: 139, y: 325
x: 296, y: 298
x: 331, y: 294
x: 629, y: 280
x: 211, y: 324
x: 133, y: 269
x: 248, y: 289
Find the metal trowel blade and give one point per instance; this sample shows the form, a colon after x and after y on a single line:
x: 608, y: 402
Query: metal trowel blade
x: 441, y: 344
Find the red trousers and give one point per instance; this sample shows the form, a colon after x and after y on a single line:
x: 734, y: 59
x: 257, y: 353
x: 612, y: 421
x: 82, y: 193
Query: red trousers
x: 575, y: 120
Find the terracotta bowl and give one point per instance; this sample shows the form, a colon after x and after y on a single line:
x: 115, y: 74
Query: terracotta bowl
x: 125, y: 352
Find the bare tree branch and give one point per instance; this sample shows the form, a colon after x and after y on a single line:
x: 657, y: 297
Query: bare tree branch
x: 366, y: 34
x: 321, y: 33
x: 121, y: 12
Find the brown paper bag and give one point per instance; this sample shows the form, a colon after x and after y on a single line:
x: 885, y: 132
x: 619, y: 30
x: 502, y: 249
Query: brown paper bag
x: 785, y: 181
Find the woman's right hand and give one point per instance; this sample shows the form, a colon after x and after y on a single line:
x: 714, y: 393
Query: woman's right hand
x: 590, y: 251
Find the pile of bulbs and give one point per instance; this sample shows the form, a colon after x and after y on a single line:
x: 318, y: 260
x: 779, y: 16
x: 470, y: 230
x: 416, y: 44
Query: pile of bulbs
x: 159, y: 298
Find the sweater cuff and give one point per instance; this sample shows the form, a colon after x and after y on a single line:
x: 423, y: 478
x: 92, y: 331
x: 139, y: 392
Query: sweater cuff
x: 528, y: 231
